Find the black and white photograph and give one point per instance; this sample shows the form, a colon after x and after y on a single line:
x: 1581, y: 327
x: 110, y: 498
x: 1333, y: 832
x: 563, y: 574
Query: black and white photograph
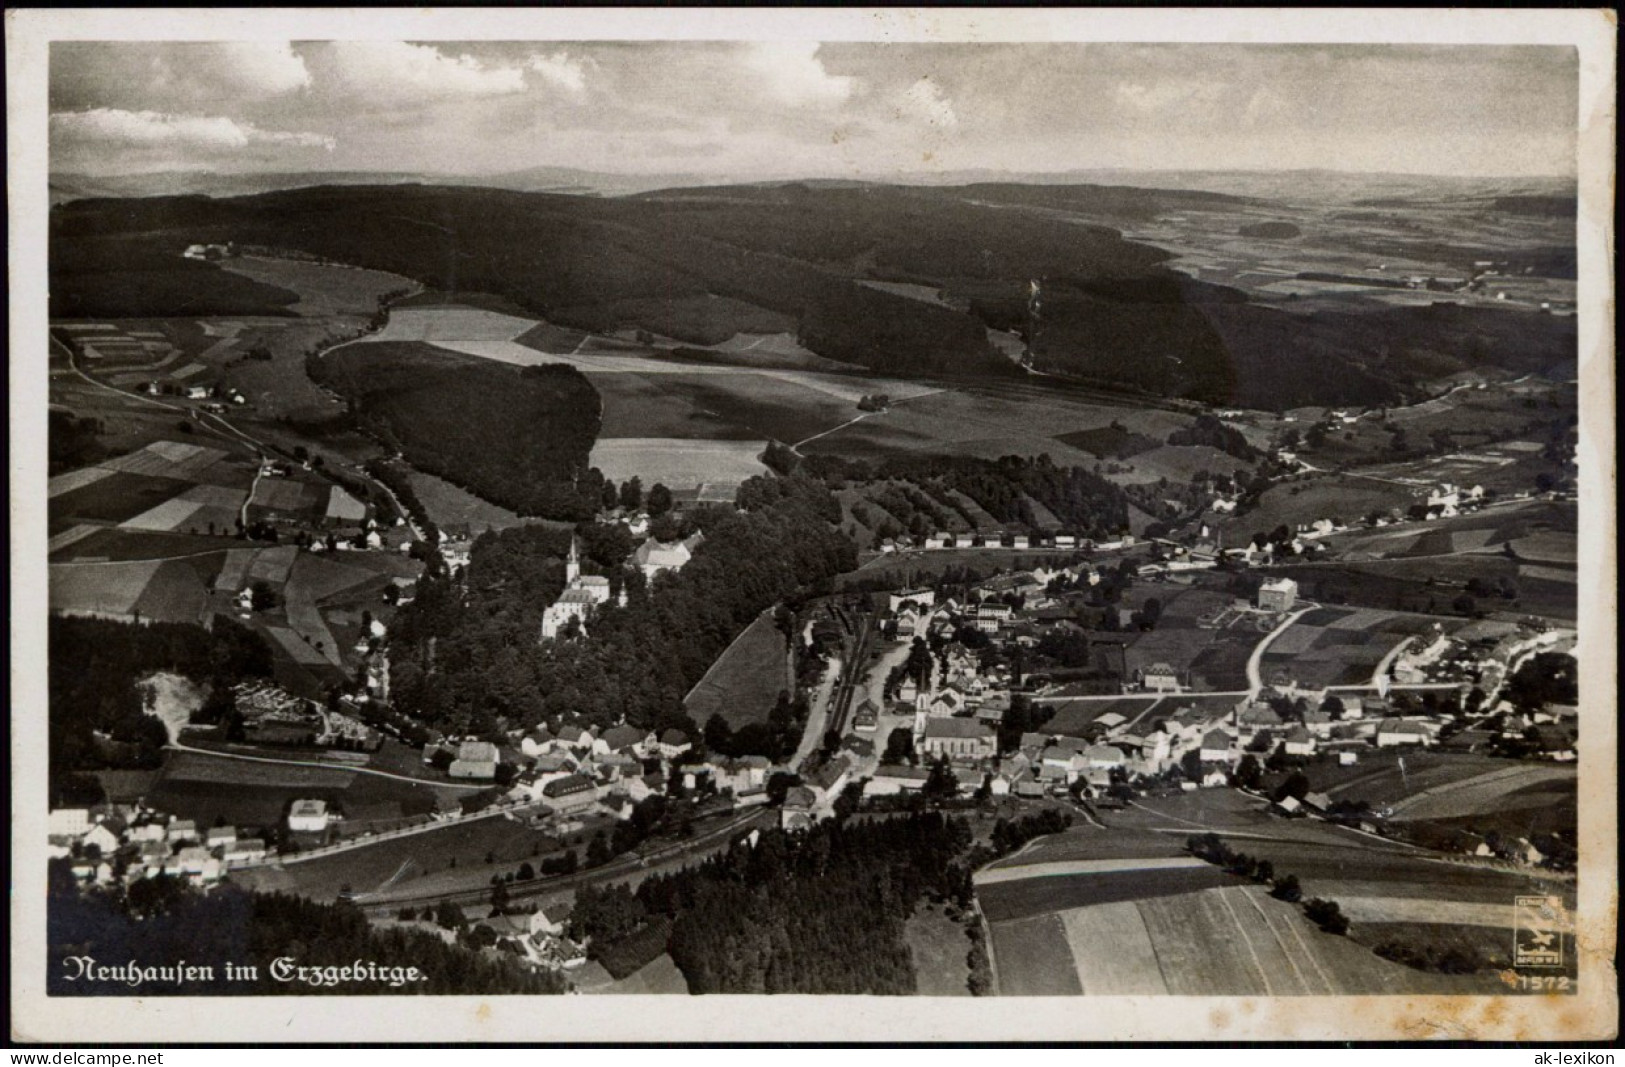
x: 1017, y: 507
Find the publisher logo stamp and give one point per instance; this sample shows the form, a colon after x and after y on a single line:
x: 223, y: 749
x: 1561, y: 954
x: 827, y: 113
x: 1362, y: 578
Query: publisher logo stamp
x: 1538, y: 932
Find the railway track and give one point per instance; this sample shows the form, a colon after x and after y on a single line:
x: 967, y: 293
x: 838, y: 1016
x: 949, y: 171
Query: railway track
x: 636, y: 863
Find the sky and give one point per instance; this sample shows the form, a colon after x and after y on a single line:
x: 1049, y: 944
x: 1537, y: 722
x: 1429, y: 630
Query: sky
x: 756, y: 110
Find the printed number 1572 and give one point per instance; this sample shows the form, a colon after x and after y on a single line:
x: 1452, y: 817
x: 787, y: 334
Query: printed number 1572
x: 1540, y: 983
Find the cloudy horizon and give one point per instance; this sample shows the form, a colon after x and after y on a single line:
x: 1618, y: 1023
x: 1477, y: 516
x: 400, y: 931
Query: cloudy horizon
x: 760, y: 110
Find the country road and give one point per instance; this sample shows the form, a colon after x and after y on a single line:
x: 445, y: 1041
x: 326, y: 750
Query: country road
x: 1255, y: 677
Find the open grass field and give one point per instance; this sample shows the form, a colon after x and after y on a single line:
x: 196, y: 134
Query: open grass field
x: 323, y: 290
x: 1308, y: 498
x: 119, y: 497
x: 678, y: 464
x: 1023, y: 898
x: 1112, y: 950
x: 1073, y: 718
x: 659, y: 976
x: 448, y: 857
x: 728, y: 405
x: 99, y: 589
x: 745, y: 681
x: 1087, y: 844
x: 452, y: 505
x: 279, y: 387
x: 938, y: 947
x: 1033, y: 959
x: 1524, y: 786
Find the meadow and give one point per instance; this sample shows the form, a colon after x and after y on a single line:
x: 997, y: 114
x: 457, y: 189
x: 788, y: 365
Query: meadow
x: 745, y: 681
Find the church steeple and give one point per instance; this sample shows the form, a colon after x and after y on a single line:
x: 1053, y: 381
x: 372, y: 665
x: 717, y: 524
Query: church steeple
x: 572, y: 566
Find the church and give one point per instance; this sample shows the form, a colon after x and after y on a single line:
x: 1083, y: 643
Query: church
x: 582, y: 593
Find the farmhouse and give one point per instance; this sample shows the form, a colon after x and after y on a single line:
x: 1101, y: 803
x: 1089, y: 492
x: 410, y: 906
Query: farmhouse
x: 673, y: 743
x: 1103, y: 757
x: 1391, y: 732
x: 572, y: 793
x: 959, y: 739
x: 656, y: 557
x: 1299, y: 741
x: 921, y: 598
x: 1161, y: 678
x: 621, y: 738
x: 1278, y: 594
x: 891, y: 779
x: 582, y: 594
x: 1215, y: 747
x: 799, y: 811
x: 308, y: 817
x: 475, y: 759
x: 867, y: 717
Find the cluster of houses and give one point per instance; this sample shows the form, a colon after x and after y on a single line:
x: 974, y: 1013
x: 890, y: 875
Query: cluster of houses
x: 943, y: 539
x: 576, y: 770
x: 117, y: 844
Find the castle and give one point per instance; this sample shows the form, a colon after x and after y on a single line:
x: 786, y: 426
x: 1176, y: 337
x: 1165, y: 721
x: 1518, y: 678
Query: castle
x: 582, y: 593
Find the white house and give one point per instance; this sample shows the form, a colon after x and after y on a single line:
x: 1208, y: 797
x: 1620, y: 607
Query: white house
x: 924, y: 599
x: 1279, y: 594
x: 475, y: 759
x: 1103, y: 757
x: 1215, y: 747
x: 308, y: 817
x: 68, y: 823
x: 1299, y: 741
x: 1160, y: 678
x: 105, y: 840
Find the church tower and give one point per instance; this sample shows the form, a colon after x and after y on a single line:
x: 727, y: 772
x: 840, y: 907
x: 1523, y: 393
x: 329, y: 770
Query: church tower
x: 572, y: 566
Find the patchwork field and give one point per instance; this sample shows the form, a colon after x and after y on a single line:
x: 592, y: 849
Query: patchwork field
x: 745, y: 681
x: 1125, y: 911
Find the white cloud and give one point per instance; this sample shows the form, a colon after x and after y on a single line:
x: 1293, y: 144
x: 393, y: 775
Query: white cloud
x: 924, y: 100
x: 114, y: 126
x: 251, y: 66
x: 391, y: 70
x: 561, y: 70
x: 792, y: 73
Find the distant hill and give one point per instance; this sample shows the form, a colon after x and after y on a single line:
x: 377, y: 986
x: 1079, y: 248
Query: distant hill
x: 1112, y: 313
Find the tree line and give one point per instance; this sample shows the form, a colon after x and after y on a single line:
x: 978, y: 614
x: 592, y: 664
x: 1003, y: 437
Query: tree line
x: 97, y: 716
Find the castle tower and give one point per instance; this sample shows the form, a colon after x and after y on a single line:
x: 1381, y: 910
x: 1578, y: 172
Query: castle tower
x: 572, y: 565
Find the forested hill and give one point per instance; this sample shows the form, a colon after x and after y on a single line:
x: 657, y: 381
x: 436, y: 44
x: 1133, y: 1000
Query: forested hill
x: 700, y: 265
x: 471, y: 664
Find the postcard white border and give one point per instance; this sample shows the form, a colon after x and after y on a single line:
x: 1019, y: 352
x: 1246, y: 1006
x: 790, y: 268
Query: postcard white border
x: 1590, y: 1015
